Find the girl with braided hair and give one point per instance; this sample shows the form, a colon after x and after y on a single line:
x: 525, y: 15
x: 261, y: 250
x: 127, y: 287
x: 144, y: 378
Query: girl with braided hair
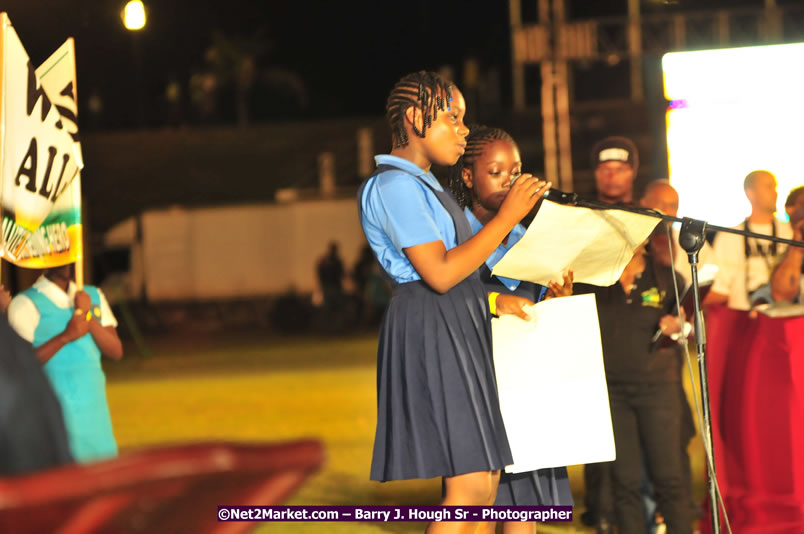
x: 438, y: 412
x: 481, y: 180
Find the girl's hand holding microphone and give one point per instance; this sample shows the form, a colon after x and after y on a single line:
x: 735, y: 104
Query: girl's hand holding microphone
x: 526, y: 191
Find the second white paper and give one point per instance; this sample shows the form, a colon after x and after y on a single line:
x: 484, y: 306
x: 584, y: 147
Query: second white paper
x: 552, y: 385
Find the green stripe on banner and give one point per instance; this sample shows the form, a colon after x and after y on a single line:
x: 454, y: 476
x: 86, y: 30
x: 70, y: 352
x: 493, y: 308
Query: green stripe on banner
x: 69, y: 217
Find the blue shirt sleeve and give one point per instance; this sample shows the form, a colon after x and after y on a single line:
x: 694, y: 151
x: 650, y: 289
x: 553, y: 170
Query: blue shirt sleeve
x: 398, y: 210
x: 401, y: 208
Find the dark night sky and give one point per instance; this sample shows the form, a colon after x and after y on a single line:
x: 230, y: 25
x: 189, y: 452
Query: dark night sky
x: 347, y: 53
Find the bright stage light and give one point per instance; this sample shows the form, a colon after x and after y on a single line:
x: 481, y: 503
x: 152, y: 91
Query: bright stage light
x: 733, y: 111
x: 134, y: 15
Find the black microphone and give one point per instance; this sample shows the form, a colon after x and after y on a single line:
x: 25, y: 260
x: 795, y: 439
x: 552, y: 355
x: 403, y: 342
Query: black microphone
x: 560, y: 197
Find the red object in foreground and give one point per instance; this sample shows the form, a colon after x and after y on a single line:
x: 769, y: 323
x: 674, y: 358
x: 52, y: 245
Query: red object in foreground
x: 175, y: 489
x: 756, y: 387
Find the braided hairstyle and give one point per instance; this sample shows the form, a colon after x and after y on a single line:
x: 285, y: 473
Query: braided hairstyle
x: 424, y: 90
x: 479, y: 137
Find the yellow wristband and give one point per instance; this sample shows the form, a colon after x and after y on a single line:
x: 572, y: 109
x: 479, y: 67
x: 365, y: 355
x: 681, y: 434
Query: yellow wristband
x: 89, y: 314
x: 493, y: 302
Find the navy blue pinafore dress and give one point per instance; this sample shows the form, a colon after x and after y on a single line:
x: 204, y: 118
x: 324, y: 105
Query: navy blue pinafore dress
x: 438, y: 412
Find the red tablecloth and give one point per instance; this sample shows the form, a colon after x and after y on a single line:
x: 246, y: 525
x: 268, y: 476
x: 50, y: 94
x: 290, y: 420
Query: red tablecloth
x: 756, y: 388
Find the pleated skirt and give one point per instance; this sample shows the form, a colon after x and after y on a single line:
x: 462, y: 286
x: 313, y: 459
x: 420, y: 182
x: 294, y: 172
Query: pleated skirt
x: 545, y: 487
x: 438, y: 412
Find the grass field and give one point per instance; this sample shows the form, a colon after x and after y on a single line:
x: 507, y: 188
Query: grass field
x: 250, y: 388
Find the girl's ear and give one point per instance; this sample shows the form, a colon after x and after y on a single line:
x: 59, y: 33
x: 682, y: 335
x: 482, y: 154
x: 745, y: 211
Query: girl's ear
x: 466, y: 174
x: 414, y: 116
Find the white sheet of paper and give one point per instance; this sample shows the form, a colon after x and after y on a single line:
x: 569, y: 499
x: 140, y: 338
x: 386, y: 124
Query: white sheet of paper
x: 552, y: 385
x: 595, y: 244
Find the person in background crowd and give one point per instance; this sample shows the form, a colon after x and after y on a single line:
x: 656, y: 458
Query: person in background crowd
x: 330, y: 278
x: 365, y: 288
x: 377, y: 296
x: 787, y: 282
x: 644, y: 391
x: 662, y: 196
x: 615, y: 161
x: 745, y: 264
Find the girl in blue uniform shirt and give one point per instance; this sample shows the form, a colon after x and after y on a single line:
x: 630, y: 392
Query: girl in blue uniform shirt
x: 481, y: 181
x: 438, y: 413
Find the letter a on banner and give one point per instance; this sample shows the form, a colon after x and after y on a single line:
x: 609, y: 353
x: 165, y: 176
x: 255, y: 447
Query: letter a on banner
x: 41, y: 156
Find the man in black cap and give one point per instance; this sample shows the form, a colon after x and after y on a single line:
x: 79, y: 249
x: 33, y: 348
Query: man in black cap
x: 643, y: 381
x: 615, y: 161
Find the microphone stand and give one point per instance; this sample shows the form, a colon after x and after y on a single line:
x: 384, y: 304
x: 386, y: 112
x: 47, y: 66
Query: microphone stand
x: 691, y: 239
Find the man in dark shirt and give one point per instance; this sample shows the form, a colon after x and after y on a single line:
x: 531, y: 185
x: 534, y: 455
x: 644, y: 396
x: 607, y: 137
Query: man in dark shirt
x: 32, y: 432
x: 615, y: 161
x: 643, y: 391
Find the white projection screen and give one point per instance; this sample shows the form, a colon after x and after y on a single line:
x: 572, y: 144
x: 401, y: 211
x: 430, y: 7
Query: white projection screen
x: 733, y: 111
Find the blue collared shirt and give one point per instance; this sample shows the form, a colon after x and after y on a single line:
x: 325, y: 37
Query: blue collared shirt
x: 398, y: 211
x: 516, y: 234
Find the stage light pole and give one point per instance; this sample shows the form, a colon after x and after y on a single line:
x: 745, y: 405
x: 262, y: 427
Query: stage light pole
x: 134, y: 20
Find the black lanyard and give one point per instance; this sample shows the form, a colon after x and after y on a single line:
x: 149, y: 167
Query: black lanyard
x: 768, y: 255
x: 772, y: 251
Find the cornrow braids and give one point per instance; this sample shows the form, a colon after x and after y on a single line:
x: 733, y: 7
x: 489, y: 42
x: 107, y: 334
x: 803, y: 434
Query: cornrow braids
x: 424, y: 90
x: 479, y: 137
